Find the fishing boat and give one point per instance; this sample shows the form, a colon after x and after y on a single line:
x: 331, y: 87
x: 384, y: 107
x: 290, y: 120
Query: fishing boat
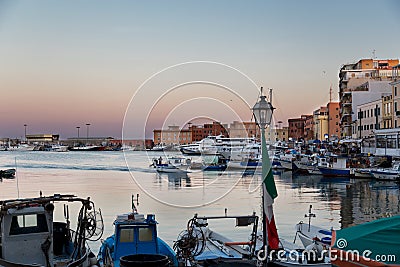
x: 245, y: 164
x: 198, y: 244
x: 337, y: 167
x: 30, y: 236
x: 87, y: 148
x: 309, y: 234
x: 387, y: 174
x: 308, y: 164
x: 7, y: 174
x: 20, y: 147
x: 135, y: 242
x: 171, y: 164
x: 374, y: 243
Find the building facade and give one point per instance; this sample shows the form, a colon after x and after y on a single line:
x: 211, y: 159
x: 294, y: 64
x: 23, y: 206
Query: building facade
x: 173, y: 135
x: 334, y: 120
x: 351, y: 77
x: 296, y: 129
x: 369, y: 118
x: 321, y: 123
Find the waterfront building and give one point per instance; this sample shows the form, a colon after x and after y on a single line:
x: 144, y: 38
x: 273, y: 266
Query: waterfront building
x: 321, y: 123
x: 386, y: 142
x: 281, y: 133
x: 369, y: 117
x: 396, y: 96
x: 309, y: 127
x: 334, y: 120
x: 137, y: 144
x: 239, y: 129
x: 42, y: 138
x: 354, y: 75
x: 173, y: 135
x: 296, y: 128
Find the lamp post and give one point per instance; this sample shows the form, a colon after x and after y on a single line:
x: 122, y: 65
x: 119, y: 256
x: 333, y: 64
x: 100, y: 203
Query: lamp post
x: 263, y: 111
x: 25, y: 131
x: 87, y: 133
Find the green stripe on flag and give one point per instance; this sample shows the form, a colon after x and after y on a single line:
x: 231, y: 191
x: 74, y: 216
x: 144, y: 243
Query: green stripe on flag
x: 270, y: 184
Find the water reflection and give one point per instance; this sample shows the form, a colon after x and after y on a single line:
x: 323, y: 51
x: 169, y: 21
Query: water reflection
x: 174, y: 180
x: 359, y: 200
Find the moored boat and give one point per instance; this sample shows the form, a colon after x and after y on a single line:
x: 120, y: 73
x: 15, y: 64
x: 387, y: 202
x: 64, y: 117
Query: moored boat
x: 135, y: 241
x: 199, y: 244
x: 87, y: 148
x: 387, y: 173
x: 30, y: 237
x: 7, y: 174
x: 171, y: 164
x: 337, y: 167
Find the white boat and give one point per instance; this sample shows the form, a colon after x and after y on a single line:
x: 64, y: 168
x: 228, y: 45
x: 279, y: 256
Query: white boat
x: 87, y: 148
x: 309, y: 164
x: 59, y: 148
x: 30, y: 237
x: 309, y: 234
x: 199, y: 244
x: 387, y: 174
x: 190, y: 149
x: 21, y: 147
x: 363, y: 173
x: 229, y: 148
x: 171, y: 164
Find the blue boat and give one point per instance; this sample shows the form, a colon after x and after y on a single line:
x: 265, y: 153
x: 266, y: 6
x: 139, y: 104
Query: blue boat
x: 337, y: 167
x: 135, y: 239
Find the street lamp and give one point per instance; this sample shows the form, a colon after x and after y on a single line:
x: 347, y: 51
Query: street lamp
x: 77, y: 127
x: 263, y: 111
x: 87, y: 132
x: 25, y: 131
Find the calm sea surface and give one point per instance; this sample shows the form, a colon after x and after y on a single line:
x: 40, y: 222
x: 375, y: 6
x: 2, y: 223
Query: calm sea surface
x: 110, y: 178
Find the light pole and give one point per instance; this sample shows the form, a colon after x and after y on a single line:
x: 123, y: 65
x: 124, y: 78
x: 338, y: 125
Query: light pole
x: 87, y: 133
x: 25, y: 131
x: 263, y: 111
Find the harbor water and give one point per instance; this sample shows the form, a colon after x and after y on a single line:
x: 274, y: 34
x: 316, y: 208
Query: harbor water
x: 110, y: 178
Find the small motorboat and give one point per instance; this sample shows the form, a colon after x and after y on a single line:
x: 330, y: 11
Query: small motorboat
x: 135, y: 241
x: 387, y: 174
x: 7, y: 174
x: 171, y: 164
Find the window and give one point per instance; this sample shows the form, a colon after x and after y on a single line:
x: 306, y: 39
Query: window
x: 395, y: 91
x: 145, y: 234
x: 28, y: 224
x: 126, y: 235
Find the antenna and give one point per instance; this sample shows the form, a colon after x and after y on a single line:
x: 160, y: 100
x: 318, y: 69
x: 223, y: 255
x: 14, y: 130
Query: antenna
x: 330, y: 94
x: 270, y: 96
x: 16, y: 173
x: 373, y: 54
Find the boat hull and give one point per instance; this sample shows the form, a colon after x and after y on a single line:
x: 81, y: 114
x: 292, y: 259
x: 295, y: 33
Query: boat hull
x: 385, y: 175
x: 336, y: 172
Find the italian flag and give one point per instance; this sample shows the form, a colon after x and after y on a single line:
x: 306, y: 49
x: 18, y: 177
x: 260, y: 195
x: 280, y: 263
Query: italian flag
x: 269, y: 193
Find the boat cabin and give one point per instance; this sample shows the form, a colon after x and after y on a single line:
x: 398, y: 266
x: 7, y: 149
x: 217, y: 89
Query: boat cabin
x: 133, y: 235
x: 23, y: 233
x: 30, y: 237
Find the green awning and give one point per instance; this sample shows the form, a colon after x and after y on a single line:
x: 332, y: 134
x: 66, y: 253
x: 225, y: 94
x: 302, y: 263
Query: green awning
x: 380, y: 239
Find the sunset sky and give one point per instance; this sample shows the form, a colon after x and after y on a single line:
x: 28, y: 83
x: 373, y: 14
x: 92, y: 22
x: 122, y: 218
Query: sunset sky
x: 67, y: 63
